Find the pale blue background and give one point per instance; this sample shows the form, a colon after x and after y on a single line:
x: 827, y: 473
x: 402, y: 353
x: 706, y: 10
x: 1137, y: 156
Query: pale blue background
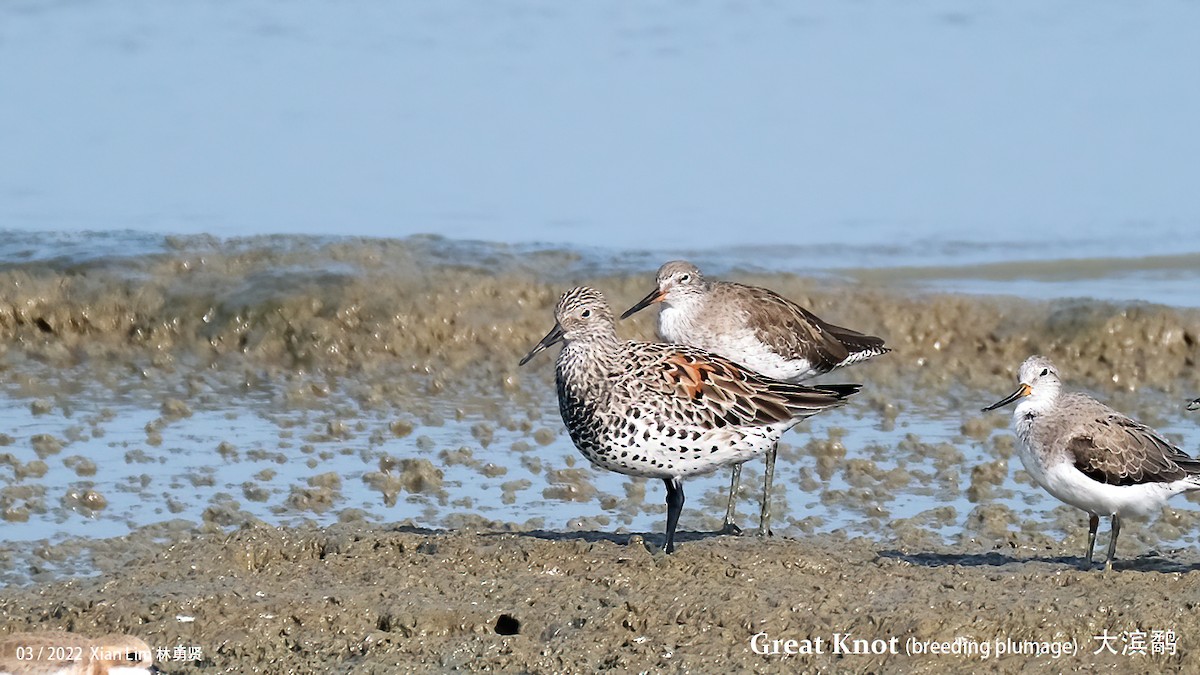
x: 1071, y: 125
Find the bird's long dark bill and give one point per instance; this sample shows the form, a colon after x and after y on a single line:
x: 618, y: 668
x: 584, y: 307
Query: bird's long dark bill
x: 555, y: 335
x: 1021, y: 392
x: 655, y: 296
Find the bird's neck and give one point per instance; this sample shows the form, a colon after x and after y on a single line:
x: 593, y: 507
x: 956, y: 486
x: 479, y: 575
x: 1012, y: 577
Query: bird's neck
x: 1035, y: 405
x: 584, y: 366
x: 676, y: 318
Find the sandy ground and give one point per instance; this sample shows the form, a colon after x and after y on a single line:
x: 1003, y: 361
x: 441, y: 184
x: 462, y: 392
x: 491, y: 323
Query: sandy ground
x: 385, y: 599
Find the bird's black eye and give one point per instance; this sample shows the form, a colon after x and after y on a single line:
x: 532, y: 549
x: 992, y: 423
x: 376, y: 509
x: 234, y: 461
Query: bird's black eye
x: 585, y: 313
x: 685, y: 278
x: 1045, y: 372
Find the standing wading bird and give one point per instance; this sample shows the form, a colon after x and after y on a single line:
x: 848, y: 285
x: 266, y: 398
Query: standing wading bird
x: 661, y: 410
x: 757, y: 328
x: 1091, y: 456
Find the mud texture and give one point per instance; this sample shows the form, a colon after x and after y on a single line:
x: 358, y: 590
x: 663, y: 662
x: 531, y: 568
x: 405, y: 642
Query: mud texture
x: 449, y: 316
x: 379, y: 600
x: 428, y: 331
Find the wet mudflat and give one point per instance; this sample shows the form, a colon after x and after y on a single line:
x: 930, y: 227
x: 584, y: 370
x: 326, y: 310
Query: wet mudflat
x: 392, y: 599
x: 298, y: 454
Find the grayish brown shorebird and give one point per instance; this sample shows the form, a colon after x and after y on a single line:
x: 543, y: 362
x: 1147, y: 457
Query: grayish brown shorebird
x: 758, y: 329
x: 663, y: 410
x: 1092, y: 457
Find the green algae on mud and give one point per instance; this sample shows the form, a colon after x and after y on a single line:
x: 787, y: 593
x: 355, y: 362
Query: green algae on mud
x: 381, y: 599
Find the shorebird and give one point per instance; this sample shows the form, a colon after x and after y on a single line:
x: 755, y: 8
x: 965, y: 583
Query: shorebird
x: 663, y: 410
x: 1092, y: 457
x: 62, y: 653
x: 757, y: 328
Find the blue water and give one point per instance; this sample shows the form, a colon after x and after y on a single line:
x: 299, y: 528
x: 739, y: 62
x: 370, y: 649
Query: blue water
x: 1047, y: 130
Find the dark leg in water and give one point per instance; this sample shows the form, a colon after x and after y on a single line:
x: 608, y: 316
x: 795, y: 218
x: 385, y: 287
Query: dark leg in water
x: 1093, y: 525
x: 674, y: 508
x: 731, y: 527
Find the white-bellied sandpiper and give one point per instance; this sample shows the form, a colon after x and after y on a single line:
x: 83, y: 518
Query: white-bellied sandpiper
x: 1092, y: 457
x: 758, y: 329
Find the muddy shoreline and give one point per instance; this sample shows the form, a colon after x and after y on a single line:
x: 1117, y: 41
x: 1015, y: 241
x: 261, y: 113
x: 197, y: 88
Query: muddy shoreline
x: 359, y: 307
x: 375, y: 342
x: 396, y: 599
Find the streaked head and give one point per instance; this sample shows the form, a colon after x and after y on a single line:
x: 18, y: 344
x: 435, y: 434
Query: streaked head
x: 676, y: 279
x: 1039, y: 380
x: 582, y: 314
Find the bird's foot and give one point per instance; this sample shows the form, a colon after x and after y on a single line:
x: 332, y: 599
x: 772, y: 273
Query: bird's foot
x: 730, y: 529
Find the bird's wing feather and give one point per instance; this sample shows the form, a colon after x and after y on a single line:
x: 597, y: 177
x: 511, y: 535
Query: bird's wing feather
x: 798, y: 333
x: 703, y: 385
x: 1117, y: 450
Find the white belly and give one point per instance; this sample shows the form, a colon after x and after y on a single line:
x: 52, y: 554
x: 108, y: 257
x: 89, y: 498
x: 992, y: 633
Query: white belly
x: 738, y: 344
x: 1071, y: 486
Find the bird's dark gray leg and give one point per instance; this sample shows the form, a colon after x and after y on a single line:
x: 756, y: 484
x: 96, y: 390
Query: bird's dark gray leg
x: 1093, y: 525
x: 764, y: 519
x: 674, y: 508
x: 735, y: 480
x: 1112, y: 541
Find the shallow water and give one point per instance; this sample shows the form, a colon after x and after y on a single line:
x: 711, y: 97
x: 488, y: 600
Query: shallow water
x: 290, y: 380
x: 918, y: 131
x: 978, y: 269
x: 234, y: 462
